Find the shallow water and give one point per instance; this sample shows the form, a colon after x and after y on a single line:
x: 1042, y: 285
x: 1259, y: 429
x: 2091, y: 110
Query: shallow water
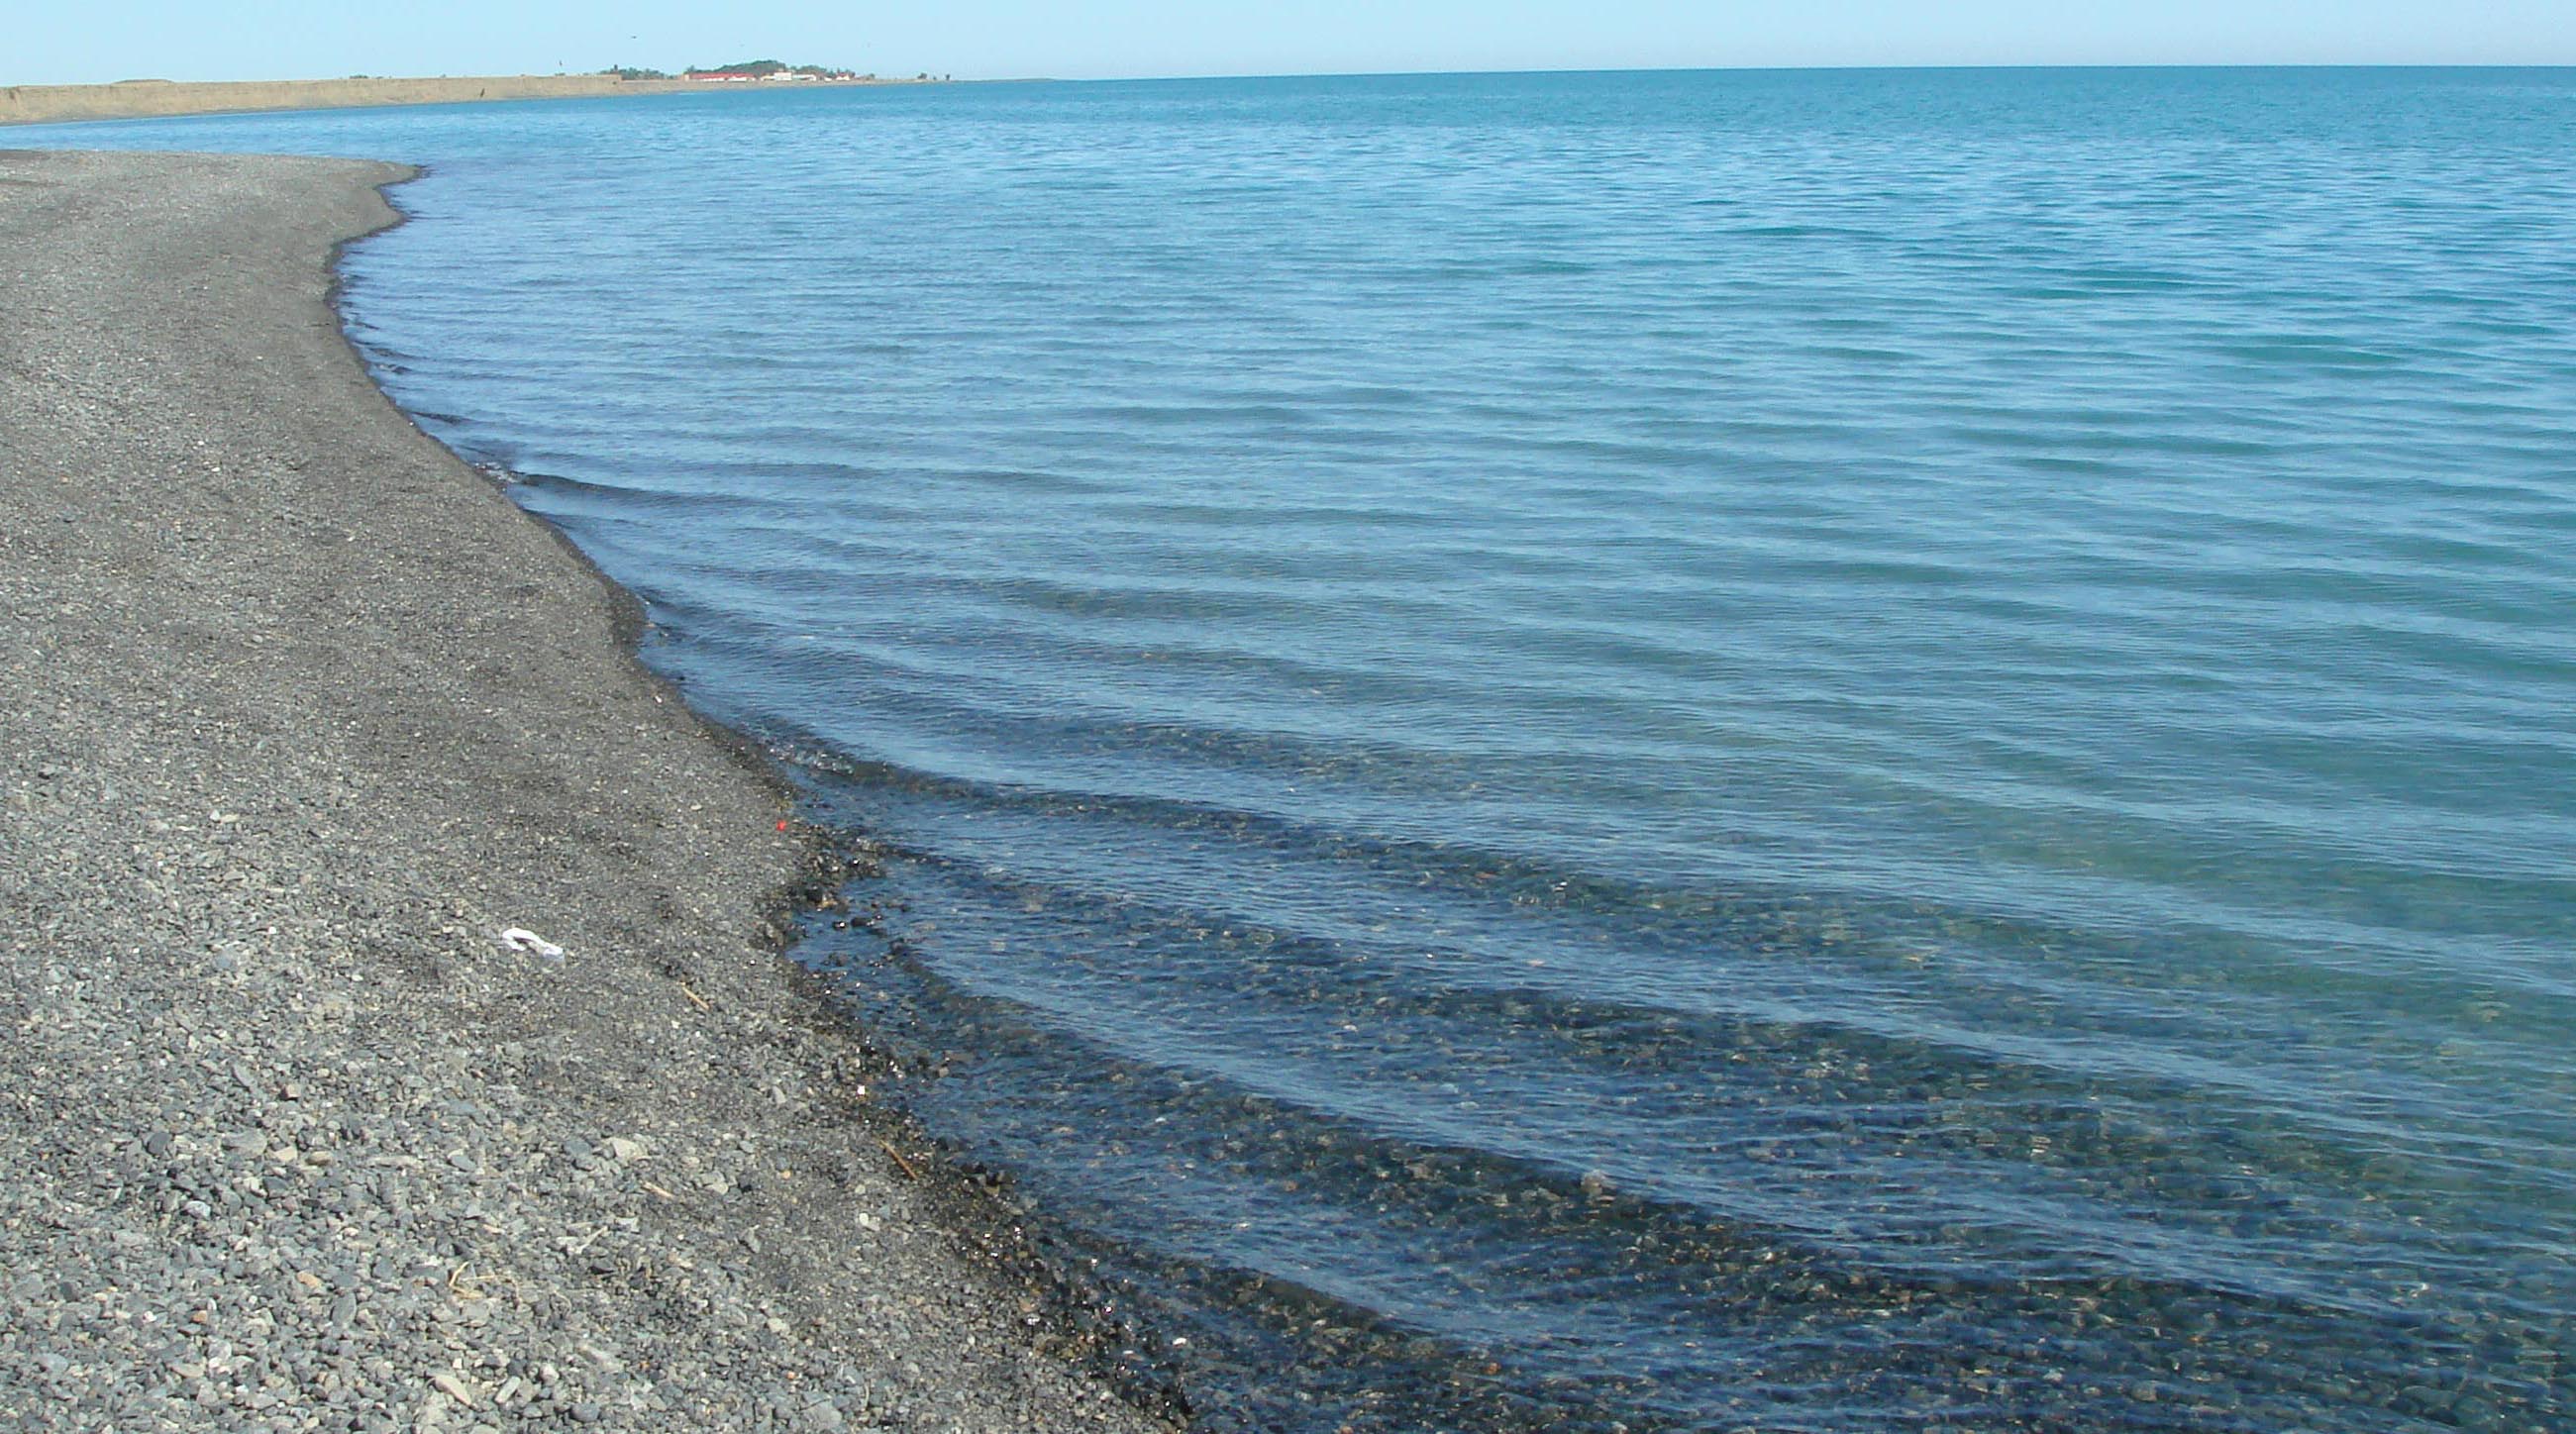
x: 1836, y: 750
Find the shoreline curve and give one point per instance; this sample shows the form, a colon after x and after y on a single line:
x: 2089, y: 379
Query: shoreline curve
x: 305, y: 716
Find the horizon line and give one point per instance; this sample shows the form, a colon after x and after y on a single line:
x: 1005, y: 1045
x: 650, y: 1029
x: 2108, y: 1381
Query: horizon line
x: 1756, y: 68
x: 2569, y: 64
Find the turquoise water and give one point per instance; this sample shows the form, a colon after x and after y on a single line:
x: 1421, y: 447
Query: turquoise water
x: 1863, y: 750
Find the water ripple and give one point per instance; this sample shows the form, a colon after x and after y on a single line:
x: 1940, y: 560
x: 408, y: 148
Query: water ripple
x: 1821, y: 751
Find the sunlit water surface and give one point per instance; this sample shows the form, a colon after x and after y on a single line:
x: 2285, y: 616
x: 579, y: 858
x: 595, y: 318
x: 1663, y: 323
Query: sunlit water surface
x: 1827, y: 751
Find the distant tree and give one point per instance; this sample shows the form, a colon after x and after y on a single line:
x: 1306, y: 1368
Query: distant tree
x: 770, y: 69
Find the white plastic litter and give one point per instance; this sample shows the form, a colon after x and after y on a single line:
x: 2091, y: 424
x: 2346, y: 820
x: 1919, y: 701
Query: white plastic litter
x: 519, y: 938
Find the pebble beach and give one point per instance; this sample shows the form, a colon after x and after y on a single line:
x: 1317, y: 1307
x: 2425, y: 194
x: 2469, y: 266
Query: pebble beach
x: 397, y: 1034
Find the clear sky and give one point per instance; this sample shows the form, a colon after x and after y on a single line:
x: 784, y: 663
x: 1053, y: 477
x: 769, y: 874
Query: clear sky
x: 66, y: 41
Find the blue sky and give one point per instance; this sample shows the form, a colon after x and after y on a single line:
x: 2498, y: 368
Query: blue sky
x: 62, y: 43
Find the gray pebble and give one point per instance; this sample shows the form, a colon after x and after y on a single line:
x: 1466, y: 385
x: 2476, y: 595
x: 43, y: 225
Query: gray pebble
x: 288, y: 1135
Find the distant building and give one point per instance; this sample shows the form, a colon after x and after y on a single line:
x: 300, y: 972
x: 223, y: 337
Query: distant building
x: 765, y: 71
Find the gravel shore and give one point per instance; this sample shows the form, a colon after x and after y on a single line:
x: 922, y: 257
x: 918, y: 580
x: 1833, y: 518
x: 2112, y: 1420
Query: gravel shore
x: 301, y: 716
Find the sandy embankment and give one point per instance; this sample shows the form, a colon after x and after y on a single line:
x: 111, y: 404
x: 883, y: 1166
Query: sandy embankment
x: 39, y: 104
x: 300, y: 715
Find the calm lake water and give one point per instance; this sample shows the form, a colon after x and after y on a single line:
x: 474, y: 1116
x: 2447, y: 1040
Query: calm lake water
x: 1817, y: 751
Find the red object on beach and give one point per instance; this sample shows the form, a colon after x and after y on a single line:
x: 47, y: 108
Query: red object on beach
x: 782, y: 826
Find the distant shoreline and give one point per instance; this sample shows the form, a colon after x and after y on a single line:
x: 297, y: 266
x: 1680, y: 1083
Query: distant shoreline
x: 149, y: 99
